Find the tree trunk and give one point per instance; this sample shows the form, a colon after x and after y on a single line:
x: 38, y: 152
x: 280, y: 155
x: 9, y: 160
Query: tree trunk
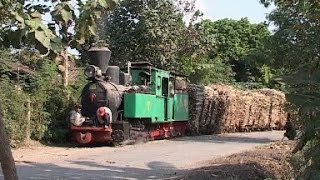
x: 66, y: 71
x: 6, y: 158
x: 66, y: 68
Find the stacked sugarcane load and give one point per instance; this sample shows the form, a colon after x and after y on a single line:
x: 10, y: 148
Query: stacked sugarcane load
x: 210, y: 106
x: 220, y: 108
x: 278, y: 115
x: 196, y: 98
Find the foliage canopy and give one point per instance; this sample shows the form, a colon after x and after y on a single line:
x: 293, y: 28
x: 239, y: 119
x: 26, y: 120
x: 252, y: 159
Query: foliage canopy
x: 296, y: 48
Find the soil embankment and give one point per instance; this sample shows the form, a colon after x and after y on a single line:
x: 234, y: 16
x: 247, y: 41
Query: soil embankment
x: 264, y: 162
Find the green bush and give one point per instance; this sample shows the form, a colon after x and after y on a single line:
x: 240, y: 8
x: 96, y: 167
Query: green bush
x: 49, y: 102
x: 52, y: 104
x: 14, y: 112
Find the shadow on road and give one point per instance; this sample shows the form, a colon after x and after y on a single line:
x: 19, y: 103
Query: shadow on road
x: 158, y: 170
x: 92, y: 170
x: 234, y: 138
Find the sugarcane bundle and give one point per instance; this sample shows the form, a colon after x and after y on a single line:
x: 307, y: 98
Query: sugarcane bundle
x: 196, y: 96
x: 220, y: 108
x: 278, y: 115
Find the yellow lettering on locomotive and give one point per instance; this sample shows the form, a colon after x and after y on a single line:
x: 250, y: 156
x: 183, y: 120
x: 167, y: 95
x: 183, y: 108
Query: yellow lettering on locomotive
x: 148, y: 105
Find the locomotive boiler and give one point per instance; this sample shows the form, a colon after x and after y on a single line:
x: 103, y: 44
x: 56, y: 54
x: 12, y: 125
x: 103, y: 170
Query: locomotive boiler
x: 138, y: 101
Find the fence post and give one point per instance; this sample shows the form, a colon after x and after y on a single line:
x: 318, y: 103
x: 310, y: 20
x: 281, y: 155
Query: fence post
x: 28, y: 129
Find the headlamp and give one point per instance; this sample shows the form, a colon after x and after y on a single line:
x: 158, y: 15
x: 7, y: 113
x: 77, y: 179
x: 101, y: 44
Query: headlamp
x: 92, y: 71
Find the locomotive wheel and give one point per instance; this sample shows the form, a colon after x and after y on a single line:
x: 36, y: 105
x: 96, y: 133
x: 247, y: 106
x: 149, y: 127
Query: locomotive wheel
x: 117, y: 136
x: 83, y: 138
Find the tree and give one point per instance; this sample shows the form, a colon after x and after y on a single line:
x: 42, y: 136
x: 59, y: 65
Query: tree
x: 234, y: 41
x: 22, y: 26
x: 204, y: 70
x: 6, y: 158
x: 153, y: 31
x: 137, y: 31
x: 66, y: 29
x: 296, y: 48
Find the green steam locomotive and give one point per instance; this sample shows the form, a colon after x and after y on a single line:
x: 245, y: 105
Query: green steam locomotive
x: 139, y: 101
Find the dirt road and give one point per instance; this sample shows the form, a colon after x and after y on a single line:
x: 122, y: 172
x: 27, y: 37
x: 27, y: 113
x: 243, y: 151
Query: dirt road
x: 152, y: 160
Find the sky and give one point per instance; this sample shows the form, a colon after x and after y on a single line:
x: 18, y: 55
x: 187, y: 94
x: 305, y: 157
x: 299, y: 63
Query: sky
x: 233, y: 9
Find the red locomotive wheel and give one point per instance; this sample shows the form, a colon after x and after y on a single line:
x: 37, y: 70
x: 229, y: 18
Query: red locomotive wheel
x: 84, y: 138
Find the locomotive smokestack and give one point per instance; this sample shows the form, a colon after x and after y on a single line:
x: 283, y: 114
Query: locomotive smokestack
x: 100, y: 57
